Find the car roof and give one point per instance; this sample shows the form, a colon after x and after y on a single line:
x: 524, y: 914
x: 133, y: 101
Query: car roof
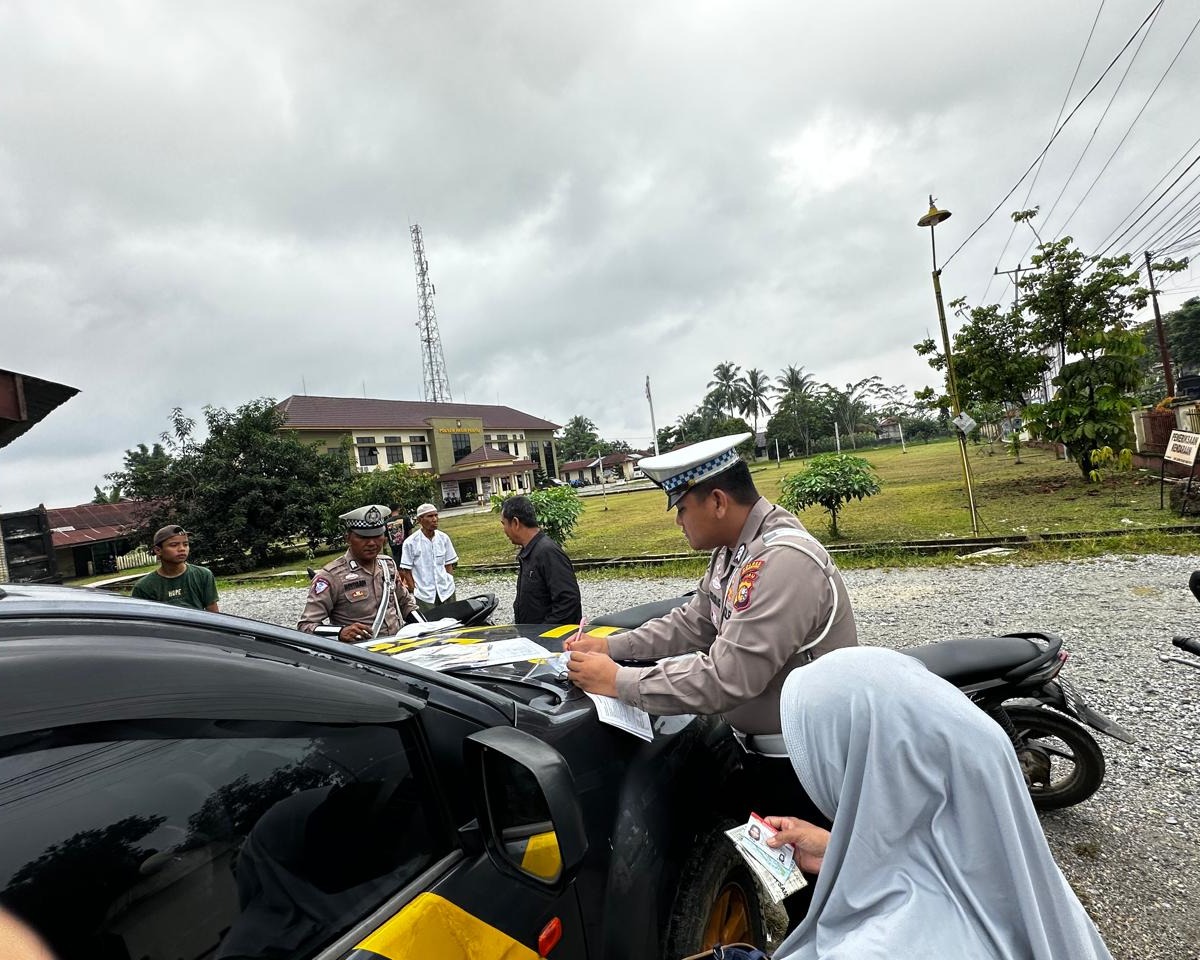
x: 45, y: 603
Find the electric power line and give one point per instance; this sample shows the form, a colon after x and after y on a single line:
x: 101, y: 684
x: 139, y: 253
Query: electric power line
x: 1152, y: 206
x: 1129, y: 130
x: 1142, y: 239
x: 1147, y: 194
x: 1104, y: 113
x: 1054, y: 136
x: 1054, y: 126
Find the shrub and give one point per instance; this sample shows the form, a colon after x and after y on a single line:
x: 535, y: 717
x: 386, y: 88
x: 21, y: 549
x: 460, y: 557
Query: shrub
x: 831, y: 480
x: 557, y: 508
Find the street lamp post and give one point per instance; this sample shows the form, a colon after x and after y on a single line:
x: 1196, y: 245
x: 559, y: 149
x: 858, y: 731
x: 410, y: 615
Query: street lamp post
x: 931, y: 220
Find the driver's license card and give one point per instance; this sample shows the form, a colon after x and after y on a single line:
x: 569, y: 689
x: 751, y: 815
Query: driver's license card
x: 779, y: 861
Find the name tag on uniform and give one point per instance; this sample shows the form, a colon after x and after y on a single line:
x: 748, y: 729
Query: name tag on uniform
x: 359, y: 582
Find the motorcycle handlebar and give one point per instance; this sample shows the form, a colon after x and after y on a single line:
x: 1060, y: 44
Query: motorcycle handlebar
x: 1190, y: 644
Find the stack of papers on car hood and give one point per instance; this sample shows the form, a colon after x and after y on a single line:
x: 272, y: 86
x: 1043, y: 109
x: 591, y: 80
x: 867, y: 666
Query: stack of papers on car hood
x: 457, y: 656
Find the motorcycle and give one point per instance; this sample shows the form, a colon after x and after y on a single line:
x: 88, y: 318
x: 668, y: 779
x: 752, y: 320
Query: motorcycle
x: 1187, y: 644
x: 1015, y: 679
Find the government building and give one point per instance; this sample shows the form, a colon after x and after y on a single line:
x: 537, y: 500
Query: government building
x: 476, y: 449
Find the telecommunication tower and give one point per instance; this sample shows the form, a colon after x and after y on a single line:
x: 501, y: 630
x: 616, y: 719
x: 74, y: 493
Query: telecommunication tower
x: 435, y: 384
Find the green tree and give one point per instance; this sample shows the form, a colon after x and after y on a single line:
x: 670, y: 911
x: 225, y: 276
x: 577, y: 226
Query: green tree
x: 725, y: 388
x: 1082, y: 305
x: 831, y: 480
x: 113, y: 494
x: 399, y: 484
x: 996, y: 359
x: 851, y: 408
x: 144, y: 475
x: 756, y: 390
x: 793, y: 380
x: 800, y: 412
x: 579, y: 439
x: 1091, y: 404
x: 923, y: 429
x: 1183, y: 335
x: 249, y: 486
x: 558, y: 510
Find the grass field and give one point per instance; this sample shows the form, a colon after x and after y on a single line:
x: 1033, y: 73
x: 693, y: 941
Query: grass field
x: 921, y: 499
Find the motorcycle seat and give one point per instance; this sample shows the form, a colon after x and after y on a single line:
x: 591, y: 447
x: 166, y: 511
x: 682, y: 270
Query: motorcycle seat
x: 643, y: 613
x: 969, y: 660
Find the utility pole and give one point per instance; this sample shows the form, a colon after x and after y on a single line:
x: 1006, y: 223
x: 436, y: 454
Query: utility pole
x: 1168, y: 375
x: 653, y: 428
x: 435, y: 383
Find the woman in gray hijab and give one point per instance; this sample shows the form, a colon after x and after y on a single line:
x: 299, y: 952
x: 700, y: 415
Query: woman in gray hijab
x: 935, y: 849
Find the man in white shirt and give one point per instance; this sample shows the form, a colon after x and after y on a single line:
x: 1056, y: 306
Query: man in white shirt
x: 427, y: 561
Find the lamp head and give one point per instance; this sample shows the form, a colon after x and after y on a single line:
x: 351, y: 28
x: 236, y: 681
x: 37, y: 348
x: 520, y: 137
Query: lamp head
x: 934, y: 216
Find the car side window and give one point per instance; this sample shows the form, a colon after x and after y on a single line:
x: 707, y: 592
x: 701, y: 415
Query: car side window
x: 211, y: 839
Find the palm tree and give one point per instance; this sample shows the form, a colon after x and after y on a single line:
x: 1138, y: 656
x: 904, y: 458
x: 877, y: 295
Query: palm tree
x: 793, y: 380
x: 852, y: 407
x: 725, y: 387
x: 756, y: 392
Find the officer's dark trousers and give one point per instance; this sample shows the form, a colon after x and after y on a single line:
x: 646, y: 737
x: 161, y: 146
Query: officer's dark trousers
x: 776, y: 792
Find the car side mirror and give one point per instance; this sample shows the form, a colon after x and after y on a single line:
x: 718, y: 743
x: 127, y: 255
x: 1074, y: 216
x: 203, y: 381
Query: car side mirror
x: 527, y: 807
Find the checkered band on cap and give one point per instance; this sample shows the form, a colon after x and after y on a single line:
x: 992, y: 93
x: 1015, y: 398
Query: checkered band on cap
x: 372, y: 517
x: 693, y: 475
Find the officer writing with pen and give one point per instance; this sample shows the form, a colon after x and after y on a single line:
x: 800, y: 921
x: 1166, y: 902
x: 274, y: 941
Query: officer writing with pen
x: 770, y: 602
x: 349, y: 591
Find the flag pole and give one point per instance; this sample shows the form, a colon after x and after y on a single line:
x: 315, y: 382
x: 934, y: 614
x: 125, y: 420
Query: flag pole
x: 653, y: 428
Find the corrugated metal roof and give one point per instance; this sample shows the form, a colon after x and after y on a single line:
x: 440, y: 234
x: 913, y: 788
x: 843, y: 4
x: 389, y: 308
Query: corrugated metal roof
x: 351, y: 412
x: 95, y: 522
x: 27, y: 400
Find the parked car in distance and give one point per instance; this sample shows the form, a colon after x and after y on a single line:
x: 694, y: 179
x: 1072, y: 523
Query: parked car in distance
x: 175, y: 783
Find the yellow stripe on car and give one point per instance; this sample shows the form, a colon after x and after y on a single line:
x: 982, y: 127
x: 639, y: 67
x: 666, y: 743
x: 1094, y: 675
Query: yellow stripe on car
x: 542, y: 857
x: 434, y: 928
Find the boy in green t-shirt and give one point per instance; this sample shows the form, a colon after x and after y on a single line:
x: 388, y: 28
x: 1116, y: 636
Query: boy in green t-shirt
x: 176, y: 581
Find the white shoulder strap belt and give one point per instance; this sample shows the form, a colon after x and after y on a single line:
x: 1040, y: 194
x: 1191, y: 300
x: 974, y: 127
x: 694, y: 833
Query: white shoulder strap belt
x: 799, y: 540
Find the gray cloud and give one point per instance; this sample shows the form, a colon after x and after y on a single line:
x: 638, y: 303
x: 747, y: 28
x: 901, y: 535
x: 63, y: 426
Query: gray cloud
x: 208, y: 203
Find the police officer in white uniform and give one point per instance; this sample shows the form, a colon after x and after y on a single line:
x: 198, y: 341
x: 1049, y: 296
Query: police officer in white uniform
x: 359, y: 593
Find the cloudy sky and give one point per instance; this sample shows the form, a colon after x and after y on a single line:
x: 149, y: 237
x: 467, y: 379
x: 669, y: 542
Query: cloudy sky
x: 203, y: 203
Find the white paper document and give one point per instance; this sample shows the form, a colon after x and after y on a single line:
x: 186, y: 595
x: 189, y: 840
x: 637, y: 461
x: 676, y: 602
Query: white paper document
x: 623, y: 716
x: 458, y: 656
x: 778, y: 881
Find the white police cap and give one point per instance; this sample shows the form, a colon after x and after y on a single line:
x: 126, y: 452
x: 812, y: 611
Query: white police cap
x: 369, y: 521
x: 680, y: 470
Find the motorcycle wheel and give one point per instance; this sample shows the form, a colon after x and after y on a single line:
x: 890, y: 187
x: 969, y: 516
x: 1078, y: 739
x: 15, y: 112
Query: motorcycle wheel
x: 1062, y: 763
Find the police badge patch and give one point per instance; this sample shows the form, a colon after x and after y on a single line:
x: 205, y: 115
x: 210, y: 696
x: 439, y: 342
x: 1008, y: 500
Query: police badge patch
x: 739, y: 593
x: 319, y: 586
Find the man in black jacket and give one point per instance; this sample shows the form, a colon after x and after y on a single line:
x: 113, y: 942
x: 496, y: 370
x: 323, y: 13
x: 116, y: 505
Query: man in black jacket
x: 547, y: 591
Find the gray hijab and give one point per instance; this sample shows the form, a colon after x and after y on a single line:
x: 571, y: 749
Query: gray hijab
x: 935, y: 849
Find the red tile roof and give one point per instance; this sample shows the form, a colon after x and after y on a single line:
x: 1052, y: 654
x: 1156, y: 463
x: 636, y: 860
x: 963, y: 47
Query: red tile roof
x: 486, y: 454
x: 349, y: 412
x: 518, y: 466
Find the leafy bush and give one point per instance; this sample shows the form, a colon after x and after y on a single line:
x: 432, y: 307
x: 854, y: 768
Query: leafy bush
x: 831, y: 480
x: 557, y: 508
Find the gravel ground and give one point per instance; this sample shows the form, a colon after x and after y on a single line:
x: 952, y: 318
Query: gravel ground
x: 1131, y: 852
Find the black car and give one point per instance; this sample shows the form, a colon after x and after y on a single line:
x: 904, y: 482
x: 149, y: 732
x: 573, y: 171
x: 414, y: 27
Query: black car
x: 178, y: 784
